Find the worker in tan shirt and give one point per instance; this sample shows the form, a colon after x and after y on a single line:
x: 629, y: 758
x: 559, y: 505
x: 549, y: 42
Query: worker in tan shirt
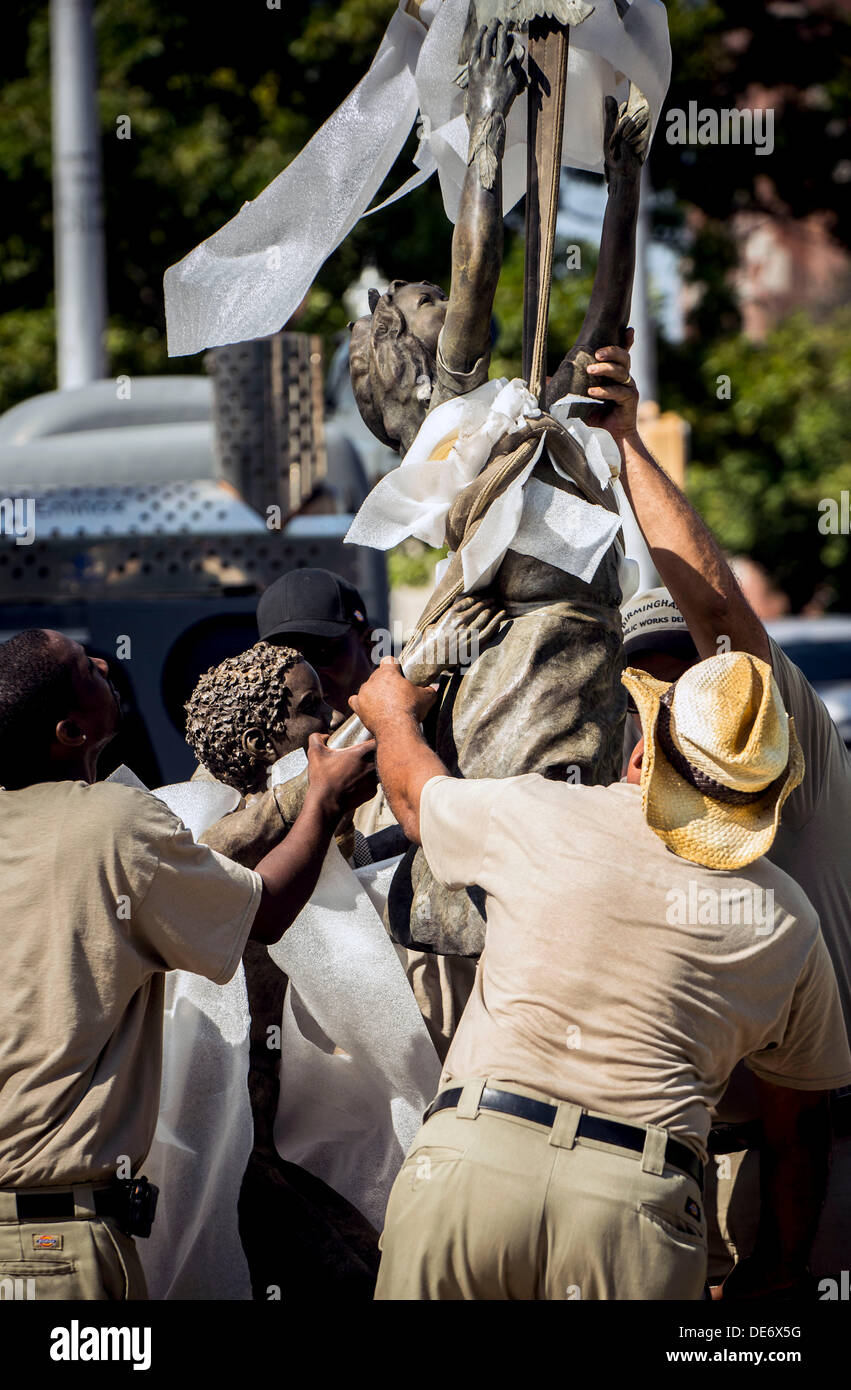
x: 104, y: 890
x: 701, y: 612
x: 639, y: 945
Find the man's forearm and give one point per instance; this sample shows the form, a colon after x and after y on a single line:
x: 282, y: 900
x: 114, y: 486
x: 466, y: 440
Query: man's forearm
x: 405, y: 764
x: 290, y: 871
x: 688, y: 558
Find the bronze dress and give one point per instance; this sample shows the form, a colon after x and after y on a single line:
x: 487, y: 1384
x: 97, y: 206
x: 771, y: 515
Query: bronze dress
x: 544, y: 696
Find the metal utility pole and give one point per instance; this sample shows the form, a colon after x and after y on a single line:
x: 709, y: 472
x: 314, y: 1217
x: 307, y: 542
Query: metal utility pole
x: 643, y: 367
x: 79, y: 265
x: 644, y: 351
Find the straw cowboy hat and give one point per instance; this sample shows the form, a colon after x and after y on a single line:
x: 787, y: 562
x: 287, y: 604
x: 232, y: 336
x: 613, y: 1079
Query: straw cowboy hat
x: 720, y: 758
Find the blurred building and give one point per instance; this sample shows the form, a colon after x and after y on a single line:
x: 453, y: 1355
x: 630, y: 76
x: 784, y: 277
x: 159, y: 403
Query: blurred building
x: 787, y: 264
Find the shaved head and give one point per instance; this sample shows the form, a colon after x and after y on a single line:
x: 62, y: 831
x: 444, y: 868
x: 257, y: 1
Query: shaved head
x: 58, y: 710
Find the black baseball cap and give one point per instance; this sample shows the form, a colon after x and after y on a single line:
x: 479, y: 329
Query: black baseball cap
x: 315, y: 602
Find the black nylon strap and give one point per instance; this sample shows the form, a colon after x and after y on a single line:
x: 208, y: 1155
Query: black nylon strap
x: 590, y: 1126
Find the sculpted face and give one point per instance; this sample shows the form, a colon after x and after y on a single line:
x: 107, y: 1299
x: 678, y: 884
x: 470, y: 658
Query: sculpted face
x: 424, y: 308
x: 304, y: 708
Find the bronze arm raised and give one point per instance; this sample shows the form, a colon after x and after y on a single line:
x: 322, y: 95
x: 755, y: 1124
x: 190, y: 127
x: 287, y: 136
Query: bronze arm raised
x: 627, y: 138
x: 495, y: 78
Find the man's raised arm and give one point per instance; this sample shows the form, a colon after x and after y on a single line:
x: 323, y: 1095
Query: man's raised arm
x: 683, y: 549
x: 338, y: 781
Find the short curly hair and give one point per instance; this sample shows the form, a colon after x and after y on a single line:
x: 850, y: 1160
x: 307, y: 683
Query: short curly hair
x: 242, y: 691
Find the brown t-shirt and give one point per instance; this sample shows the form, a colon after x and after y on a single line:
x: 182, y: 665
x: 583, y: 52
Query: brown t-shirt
x: 103, y: 891
x: 617, y: 975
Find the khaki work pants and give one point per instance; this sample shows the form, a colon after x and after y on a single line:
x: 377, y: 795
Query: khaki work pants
x: 489, y: 1206
x: 89, y: 1259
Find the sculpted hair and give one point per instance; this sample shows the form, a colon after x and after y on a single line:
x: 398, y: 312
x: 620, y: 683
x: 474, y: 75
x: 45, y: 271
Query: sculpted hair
x: 241, y: 693
x: 36, y: 692
x: 392, y: 373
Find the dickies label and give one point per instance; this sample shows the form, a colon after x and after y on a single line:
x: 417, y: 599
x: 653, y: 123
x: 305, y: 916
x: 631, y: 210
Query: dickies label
x: 45, y: 1242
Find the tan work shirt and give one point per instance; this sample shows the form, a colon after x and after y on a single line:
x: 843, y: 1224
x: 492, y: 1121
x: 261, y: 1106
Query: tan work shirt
x: 607, y: 979
x: 103, y: 891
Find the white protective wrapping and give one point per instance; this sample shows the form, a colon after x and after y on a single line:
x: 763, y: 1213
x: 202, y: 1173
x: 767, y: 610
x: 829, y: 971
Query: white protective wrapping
x: 358, y: 1067
x: 202, y: 1144
x: 204, y: 1131
x: 248, y: 279
x: 451, y: 448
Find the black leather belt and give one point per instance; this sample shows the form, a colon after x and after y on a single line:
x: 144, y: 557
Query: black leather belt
x: 59, y: 1206
x: 590, y: 1126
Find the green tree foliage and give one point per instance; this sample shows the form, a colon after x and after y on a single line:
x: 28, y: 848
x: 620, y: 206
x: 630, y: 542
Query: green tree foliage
x: 762, y: 460
x: 220, y: 100
x: 794, y: 58
x: 791, y: 55
x: 771, y: 424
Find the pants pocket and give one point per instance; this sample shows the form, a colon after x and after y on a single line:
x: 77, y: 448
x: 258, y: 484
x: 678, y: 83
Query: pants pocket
x: 27, y: 1269
x: 425, y: 1163
x: 435, y: 1152
x: 677, y: 1225
x: 42, y: 1280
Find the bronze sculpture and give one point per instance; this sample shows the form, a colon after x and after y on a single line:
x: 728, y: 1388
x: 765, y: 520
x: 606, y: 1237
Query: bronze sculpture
x: 545, y: 694
x: 252, y: 709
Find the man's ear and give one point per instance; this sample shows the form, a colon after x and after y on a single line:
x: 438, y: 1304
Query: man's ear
x: 69, y: 734
x: 633, y: 767
x: 387, y: 320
